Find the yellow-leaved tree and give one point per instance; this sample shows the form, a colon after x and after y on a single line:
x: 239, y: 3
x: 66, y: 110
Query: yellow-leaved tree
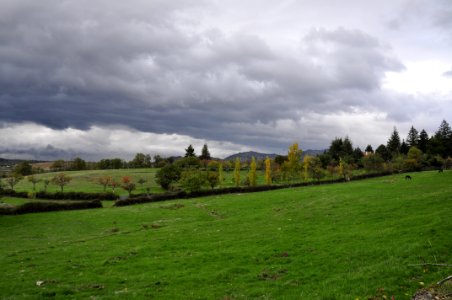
x: 252, y: 177
x: 237, y: 172
x: 292, y: 166
x: 268, y: 171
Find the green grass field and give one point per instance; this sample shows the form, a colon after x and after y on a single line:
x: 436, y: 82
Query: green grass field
x: 86, y: 181
x: 342, y: 241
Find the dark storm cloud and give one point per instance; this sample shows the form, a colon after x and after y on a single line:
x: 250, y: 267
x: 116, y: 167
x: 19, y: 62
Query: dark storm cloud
x: 152, y: 66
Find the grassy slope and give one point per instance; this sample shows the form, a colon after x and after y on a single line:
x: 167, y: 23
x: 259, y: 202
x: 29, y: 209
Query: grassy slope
x: 86, y: 181
x: 341, y: 241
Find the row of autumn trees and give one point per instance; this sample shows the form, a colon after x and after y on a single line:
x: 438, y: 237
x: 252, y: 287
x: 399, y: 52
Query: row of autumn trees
x: 341, y: 160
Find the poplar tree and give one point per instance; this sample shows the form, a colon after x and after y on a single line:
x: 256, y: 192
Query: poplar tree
x: 252, y: 173
x: 293, y: 166
x: 268, y: 170
x: 237, y: 172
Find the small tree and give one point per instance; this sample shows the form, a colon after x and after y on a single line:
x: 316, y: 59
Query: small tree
x: 167, y: 175
x: 192, y: 181
x: 394, y: 144
x: 23, y: 168
x: 142, y: 181
x: 220, y: 174
x: 190, y: 151
x: 314, y: 168
x: 237, y: 172
x: 13, y: 180
x: 113, y: 185
x: 268, y: 171
x: 104, y: 181
x: 46, y: 184
x: 34, y: 180
x: 414, y: 159
x: 205, y: 154
x: 127, y: 184
x: 61, y: 180
x: 292, y: 166
x: 252, y: 177
x: 213, y: 179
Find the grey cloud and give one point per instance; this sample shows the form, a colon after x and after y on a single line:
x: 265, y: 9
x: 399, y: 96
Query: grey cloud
x: 151, y: 66
x: 448, y: 73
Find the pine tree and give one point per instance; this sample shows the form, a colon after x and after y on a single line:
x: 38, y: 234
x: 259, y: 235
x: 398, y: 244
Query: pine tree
x: 190, y: 151
x: 423, y: 141
x: 413, y: 137
x: 369, y: 149
x: 404, y: 148
x: 394, y: 144
x: 205, y: 154
x: 252, y: 173
x: 268, y: 170
x: 444, y: 138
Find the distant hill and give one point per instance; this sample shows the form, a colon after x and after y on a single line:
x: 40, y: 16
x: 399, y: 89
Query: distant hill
x: 245, y: 156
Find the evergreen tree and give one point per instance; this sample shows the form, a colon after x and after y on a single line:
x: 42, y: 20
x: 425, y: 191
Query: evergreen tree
x: 190, y: 151
x: 423, y: 141
x: 205, y: 154
x: 383, y: 152
x: 404, y: 148
x: 347, y: 147
x: 357, y: 154
x: 444, y: 138
x: 393, y: 145
x: 369, y: 149
x: 412, y: 138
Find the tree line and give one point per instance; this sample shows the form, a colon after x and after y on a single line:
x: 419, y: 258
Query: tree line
x: 191, y: 172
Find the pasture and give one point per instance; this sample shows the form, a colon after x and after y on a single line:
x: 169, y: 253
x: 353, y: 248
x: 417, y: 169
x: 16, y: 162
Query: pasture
x: 87, y: 181
x: 342, y: 241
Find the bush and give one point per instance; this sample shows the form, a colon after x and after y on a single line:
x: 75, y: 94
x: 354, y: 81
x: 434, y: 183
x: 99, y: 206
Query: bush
x: 168, y: 175
x: 193, y: 181
x: 76, y: 196
x: 32, y: 207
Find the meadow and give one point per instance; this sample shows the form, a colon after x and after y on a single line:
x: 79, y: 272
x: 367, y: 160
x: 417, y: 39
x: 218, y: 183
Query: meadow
x: 87, y: 180
x: 356, y: 240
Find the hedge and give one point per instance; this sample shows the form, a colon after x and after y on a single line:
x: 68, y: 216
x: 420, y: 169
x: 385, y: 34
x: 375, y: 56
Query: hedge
x: 60, y: 195
x: 76, y: 196
x: 33, y: 207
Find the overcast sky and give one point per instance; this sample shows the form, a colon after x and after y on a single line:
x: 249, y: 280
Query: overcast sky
x: 101, y: 79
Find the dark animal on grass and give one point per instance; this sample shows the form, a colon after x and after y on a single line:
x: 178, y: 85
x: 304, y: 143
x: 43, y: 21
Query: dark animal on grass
x: 408, y: 177
x: 440, y: 170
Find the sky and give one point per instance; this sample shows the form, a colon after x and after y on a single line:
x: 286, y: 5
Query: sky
x: 100, y: 79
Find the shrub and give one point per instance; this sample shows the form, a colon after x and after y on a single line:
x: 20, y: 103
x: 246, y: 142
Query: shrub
x: 167, y: 176
x: 192, y: 181
x: 76, y: 196
x: 32, y: 207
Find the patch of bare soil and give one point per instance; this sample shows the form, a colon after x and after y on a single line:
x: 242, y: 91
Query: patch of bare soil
x: 439, y: 291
